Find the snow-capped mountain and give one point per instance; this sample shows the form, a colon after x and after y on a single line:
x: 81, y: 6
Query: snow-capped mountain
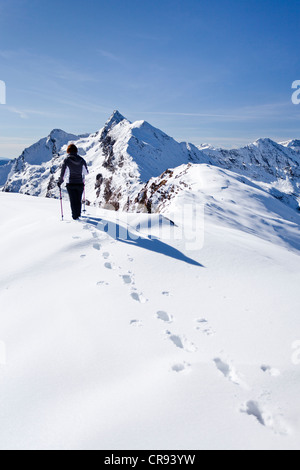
x: 292, y: 144
x: 275, y: 167
x: 129, y: 155
x: 4, y: 172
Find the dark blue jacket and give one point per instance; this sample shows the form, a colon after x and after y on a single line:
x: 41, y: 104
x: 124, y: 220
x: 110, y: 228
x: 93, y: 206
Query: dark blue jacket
x: 74, y: 170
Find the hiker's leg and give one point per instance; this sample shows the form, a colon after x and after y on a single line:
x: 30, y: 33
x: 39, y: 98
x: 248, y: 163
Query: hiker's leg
x: 73, y: 200
x: 79, y: 193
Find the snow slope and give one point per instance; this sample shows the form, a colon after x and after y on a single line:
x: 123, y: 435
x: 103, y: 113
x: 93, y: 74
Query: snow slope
x: 115, y: 340
x: 228, y: 198
x: 275, y: 167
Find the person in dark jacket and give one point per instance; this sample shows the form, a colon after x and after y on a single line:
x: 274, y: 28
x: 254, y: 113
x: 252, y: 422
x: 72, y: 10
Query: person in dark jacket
x: 74, y: 171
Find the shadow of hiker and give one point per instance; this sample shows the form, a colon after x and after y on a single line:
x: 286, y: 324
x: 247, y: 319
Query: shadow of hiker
x: 125, y: 235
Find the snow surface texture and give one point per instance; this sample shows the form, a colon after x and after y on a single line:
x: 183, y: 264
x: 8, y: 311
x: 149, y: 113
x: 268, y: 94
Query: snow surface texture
x: 122, y: 331
x: 130, y: 154
x: 115, y: 340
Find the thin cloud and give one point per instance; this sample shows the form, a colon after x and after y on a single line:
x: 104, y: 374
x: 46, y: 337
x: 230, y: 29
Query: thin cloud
x: 149, y: 37
x: 246, y: 113
x: 17, y: 111
x: 91, y: 107
x: 68, y: 73
x: 12, y: 147
x: 26, y: 113
x: 6, y: 54
x: 17, y: 140
x: 76, y: 101
x: 110, y: 55
x: 55, y: 68
x: 193, y: 114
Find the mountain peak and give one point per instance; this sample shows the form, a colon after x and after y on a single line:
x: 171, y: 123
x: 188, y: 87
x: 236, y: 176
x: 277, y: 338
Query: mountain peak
x: 56, y: 133
x: 114, y: 119
x: 264, y: 141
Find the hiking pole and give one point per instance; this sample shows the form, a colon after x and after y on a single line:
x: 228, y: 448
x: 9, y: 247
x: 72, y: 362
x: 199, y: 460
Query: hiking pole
x: 84, y: 202
x: 61, y: 205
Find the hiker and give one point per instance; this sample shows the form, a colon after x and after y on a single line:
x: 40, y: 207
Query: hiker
x: 74, y: 171
x: 99, y: 182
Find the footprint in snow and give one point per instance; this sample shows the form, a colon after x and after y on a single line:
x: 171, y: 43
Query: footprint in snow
x: 106, y: 255
x: 181, y: 342
x: 270, y: 371
x: 181, y: 367
x: 204, y: 327
x: 166, y: 294
x: 109, y: 266
x: 136, y: 323
x: 83, y: 256
x: 139, y: 298
x: 228, y: 371
x: 127, y: 279
x: 102, y: 283
x: 265, y: 417
x: 164, y: 316
x: 97, y: 246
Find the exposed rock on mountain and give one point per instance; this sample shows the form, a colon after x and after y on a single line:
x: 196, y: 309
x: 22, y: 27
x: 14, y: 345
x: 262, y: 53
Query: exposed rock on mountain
x: 133, y: 156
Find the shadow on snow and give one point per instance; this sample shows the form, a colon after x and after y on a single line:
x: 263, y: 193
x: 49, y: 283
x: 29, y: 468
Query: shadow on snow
x: 124, y: 235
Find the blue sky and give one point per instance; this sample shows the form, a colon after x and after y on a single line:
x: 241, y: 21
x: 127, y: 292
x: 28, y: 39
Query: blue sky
x: 217, y: 71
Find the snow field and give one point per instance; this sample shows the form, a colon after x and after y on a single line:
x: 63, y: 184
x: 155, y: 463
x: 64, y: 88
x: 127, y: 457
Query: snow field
x: 119, y: 344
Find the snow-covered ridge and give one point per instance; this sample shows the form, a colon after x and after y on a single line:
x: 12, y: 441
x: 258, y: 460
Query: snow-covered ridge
x: 130, y: 154
x: 230, y: 200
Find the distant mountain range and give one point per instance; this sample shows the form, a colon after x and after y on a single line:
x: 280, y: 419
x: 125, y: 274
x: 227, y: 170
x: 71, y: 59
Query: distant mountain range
x: 136, y: 160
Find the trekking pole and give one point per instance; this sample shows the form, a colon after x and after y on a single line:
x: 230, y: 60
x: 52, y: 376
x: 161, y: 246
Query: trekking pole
x: 84, y: 202
x: 61, y: 205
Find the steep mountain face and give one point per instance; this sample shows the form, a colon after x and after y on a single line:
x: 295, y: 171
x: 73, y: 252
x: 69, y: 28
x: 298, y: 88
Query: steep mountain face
x: 129, y: 155
x: 5, y: 169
